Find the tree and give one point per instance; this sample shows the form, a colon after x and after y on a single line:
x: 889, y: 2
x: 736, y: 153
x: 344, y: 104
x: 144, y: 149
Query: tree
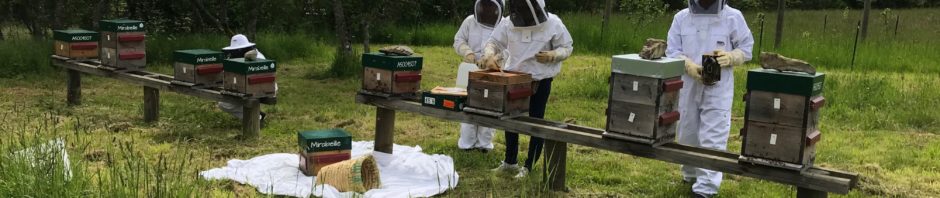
x: 607, y: 10
x: 778, y: 38
x: 865, y: 15
x: 341, y: 34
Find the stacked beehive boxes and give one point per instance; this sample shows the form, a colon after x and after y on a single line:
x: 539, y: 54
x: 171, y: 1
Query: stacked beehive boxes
x: 321, y: 148
x: 499, y: 93
x: 76, y: 43
x: 781, y: 118
x: 389, y: 76
x: 256, y: 78
x: 643, y: 102
x: 198, y: 67
x: 123, y: 44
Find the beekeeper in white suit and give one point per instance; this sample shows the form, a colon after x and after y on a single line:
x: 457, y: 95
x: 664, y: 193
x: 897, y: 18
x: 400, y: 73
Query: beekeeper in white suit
x: 468, y: 42
x: 238, y: 48
x: 537, y: 42
x: 707, y: 27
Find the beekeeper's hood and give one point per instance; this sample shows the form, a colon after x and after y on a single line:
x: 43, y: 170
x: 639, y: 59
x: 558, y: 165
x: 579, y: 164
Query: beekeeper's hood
x: 706, y: 7
x: 488, y: 12
x: 239, y: 41
x: 527, y: 13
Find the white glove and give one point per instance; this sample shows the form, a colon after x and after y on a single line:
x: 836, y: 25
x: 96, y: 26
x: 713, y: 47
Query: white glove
x: 728, y: 59
x: 693, y: 69
x: 491, y: 59
x: 468, y: 56
x: 553, y: 56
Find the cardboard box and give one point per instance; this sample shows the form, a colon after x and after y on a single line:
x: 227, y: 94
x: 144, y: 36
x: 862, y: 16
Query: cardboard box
x: 498, y: 93
x: 321, y: 148
x: 443, y: 101
x: 76, y: 43
x: 391, y: 75
x: 643, y: 102
x: 256, y: 78
x: 123, y: 44
x: 198, y: 66
x: 781, y: 118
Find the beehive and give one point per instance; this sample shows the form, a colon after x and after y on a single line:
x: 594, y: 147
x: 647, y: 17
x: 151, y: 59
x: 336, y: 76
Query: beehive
x: 76, y: 43
x: 499, y: 93
x: 323, y: 147
x: 643, y: 102
x: 199, y: 67
x: 781, y: 118
x: 391, y: 75
x: 256, y: 78
x: 123, y: 44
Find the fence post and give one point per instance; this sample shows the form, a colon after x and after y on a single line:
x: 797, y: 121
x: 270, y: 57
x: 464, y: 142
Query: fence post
x: 74, y: 88
x: 858, y: 29
x: 897, y: 22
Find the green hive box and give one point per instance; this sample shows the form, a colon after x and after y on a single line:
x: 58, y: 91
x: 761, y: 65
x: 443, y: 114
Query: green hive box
x: 75, y: 35
x: 392, y: 63
x: 796, y: 83
x: 324, y: 140
x: 121, y: 25
x: 634, y: 65
x: 244, y: 67
x: 198, y: 56
x: 448, y: 102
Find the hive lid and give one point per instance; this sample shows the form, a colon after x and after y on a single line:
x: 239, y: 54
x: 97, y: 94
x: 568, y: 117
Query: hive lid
x: 634, y: 65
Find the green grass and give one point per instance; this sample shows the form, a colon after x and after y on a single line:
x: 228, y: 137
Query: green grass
x: 877, y: 124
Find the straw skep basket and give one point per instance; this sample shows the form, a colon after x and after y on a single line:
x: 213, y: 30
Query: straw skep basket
x: 357, y: 175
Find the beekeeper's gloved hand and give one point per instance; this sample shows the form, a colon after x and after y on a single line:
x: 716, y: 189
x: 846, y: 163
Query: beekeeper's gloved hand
x: 468, y: 55
x: 491, y: 59
x: 732, y: 58
x: 693, y: 69
x: 553, y: 56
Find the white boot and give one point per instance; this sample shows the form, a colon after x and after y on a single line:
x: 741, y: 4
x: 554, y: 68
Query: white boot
x: 507, y: 168
x: 522, y: 173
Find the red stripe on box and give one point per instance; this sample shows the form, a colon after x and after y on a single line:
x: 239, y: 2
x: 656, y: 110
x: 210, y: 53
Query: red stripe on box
x: 672, y: 85
x: 813, y: 138
x: 261, y: 78
x: 209, y: 69
x: 407, y: 77
x: 668, y: 118
x: 131, y: 38
x: 131, y: 55
x: 519, y: 93
x: 84, y: 46
x: 817, y: 102
x: 331, y: 158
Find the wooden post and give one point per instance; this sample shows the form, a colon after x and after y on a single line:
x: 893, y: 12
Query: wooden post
x: 151, y: 104
x: 778, y: 38
x: 384, y: 129
x: 810, y: 193
x: 74, y: 88
x: 251, y: 118
x: 556, y: 154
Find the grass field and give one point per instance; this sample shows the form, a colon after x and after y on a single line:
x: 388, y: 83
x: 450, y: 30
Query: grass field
x: 880, y: 121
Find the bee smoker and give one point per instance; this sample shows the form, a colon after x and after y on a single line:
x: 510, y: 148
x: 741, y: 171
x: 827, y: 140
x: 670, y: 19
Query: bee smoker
x: 711, y: 73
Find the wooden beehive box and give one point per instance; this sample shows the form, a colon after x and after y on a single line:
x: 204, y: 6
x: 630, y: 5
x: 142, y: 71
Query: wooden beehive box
x: 201, y: 67
x: 322, y: 148
x: 389, y: 76
x: 781, y: 118
x: 123, y: 44
x: 643, y: 102
x: 76, y: 43
x: 256, y: 78
x: 502, y: 94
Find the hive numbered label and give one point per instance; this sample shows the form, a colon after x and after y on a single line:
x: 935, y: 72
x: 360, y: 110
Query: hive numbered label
x: 632, y: 116
x: 636, y: 86
x: 378, y: 76
x: 486, y: 93
x: 776, y: 103
x: 773, y: 139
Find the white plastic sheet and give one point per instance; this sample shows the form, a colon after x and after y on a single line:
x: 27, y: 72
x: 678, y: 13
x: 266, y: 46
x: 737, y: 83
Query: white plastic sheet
x: 407, y: 173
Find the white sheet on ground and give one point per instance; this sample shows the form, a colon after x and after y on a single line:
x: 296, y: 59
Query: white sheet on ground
x: 407, y: 173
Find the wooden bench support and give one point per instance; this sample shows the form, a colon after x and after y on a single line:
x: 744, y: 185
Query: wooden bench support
x: 556, y: 154
x: 251, y: 119
x: 151, y: 104
x: 810, y: 193
x: 74, y: 88
x: 384, y: 130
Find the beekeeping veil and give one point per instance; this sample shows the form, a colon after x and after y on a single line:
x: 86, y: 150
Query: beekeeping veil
x: 706, y: 7
x: 527, y: 13
x: 488, y: 12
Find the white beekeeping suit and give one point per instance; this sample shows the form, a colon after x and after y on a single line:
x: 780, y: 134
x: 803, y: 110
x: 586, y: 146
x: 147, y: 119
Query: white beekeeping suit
x: 468, y: 42
x: 536, y: 43
x: 240, y: 44
x: 707, y: 27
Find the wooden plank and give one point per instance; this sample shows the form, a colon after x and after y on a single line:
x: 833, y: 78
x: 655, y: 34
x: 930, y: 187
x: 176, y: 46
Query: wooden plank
x: 810, y: 193
x: 251, y: 119
x: 151, y: 104
x: 74, y: 88
x: 814, y: 178
x: 385, y: 129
